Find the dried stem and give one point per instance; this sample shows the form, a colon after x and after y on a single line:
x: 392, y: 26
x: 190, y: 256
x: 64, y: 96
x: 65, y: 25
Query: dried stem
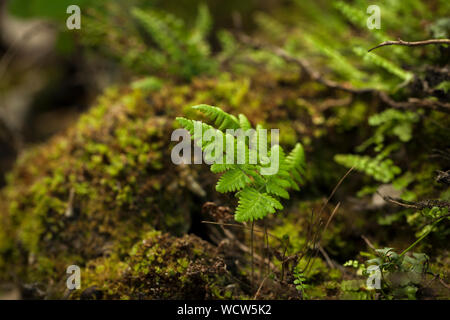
x: 252, y: 251
x: 427, y: 204
x: 400, y: 42
x: 260, y: 287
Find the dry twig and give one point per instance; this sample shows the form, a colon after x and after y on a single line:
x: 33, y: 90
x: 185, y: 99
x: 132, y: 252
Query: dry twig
x: 414, y: 103
x: 427, y: 204
x: 400, y: 42
x: 367, y: 241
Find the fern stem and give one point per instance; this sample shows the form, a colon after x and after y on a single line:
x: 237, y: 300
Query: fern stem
x: 283, y: 262
x: 266, y: 239
x: 261, y: 265
x: 252, y: 252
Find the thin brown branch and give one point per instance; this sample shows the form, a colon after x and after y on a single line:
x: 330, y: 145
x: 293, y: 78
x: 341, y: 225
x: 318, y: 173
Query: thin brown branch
x: 414, y: 103
x: 331, y: 103
x: 252, y: 252
x: 331, y: 217
x: 437, y: 276
x: 427, y: 204
x: 444, y: 284
x: 260, y: 287
x: 367, y: 241
x: 327, y: 257
x: 400, y: 42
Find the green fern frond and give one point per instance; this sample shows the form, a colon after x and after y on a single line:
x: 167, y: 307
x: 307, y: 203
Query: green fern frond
x: 379, y: 61
x: 257, y: 190
x: 186, y: 50
x: 254, y: 205
x: 382, y: 170
x: 157, y: 26
x: 296, y: 158
x: 232, y: 180
x: 203, y: 23
x: 392, y: 116
x: 188, y: 124
x: 244, y: 123
x: 228, y: 44
x: 357, y: 17
x: 296, y: 164
x: 278, y: 187
x: 279, y: 183
x: 270, y: 25
x: 338, y: 61
x: 202, y: 128
x: 221, y: 119
x: 221, y: 167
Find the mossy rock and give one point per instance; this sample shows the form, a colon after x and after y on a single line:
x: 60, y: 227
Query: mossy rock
x: 161, y: 267
x: 99, y: 187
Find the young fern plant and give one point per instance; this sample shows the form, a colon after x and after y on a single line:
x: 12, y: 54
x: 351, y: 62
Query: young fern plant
x: 258, y: 188
x: 182, y: 50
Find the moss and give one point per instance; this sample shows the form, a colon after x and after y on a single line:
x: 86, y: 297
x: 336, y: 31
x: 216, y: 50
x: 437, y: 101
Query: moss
x: 91, y: 186
x: 87, y: 196
x: 161, y: 267
x: 97, y: 188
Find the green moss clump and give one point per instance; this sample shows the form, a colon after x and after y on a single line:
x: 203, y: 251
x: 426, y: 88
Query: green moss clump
x: 102, y: 184
x: 161, y: 267
x: 97, y: 188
